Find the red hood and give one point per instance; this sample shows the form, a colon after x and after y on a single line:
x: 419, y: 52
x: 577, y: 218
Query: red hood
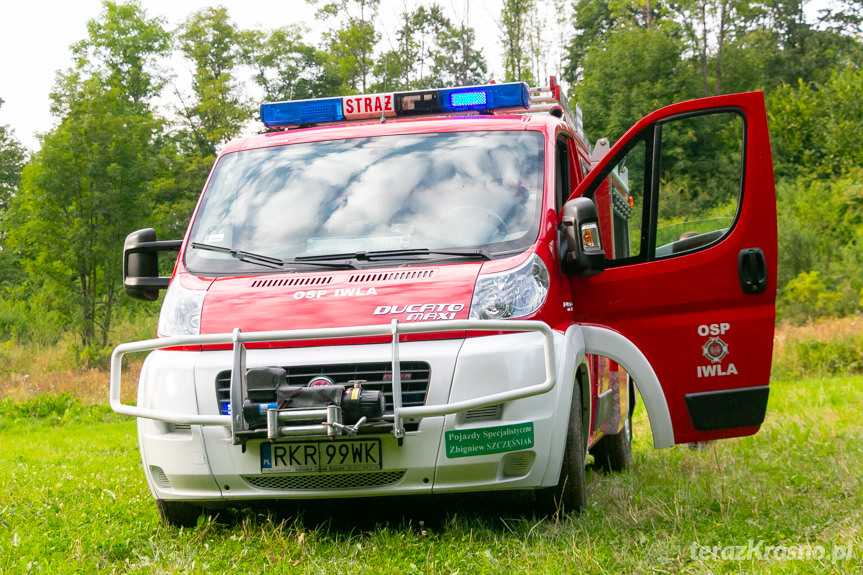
x: 339, y: 299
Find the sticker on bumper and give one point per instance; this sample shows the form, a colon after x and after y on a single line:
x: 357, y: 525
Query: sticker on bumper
x: 487, y: 440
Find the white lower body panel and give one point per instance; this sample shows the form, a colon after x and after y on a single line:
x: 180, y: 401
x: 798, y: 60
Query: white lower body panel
x: 201, y: 463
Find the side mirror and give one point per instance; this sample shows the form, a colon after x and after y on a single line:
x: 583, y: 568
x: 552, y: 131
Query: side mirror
x: 141, y: 278
x: 584, y: 255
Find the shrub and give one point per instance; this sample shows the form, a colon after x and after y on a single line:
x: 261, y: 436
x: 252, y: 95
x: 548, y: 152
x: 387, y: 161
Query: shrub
x: 43, y: 405
x: 817, y: 351
x: 807, y: 297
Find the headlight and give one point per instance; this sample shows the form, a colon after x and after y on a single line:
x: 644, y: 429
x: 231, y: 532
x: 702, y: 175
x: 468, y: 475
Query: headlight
x: 181, y: 310
x: 514, y: 293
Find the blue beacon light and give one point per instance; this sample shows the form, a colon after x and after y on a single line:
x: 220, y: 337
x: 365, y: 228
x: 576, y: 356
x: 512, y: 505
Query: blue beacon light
x: 468, y: 99
x: 293, y: 113
x: 491, y: 97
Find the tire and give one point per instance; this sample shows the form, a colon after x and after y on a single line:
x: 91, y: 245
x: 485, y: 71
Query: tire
x: 613, y: 453
x: 179, y: 513
x: 570, y: 493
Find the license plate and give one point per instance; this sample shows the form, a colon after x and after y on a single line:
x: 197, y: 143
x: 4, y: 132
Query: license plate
x: 318, y: 456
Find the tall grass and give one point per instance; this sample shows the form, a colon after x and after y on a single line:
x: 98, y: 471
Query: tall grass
x: 30, y: 369
x: 819, y: 348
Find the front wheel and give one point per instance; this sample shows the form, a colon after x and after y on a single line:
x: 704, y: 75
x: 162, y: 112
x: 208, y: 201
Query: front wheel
x: 570, y: 493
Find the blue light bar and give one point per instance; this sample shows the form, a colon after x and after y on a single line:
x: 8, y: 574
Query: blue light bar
x: 493, y: 96
x: 412, y: 103
x: 294, y: 113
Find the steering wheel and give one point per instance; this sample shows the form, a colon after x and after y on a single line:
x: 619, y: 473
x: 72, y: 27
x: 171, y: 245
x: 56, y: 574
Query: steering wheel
x: 472, y: 224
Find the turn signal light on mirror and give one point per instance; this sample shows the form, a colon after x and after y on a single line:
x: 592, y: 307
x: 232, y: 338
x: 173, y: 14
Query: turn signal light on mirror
x: 590, y: 237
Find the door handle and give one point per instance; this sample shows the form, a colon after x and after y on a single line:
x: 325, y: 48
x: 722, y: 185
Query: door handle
x: 752, y: 271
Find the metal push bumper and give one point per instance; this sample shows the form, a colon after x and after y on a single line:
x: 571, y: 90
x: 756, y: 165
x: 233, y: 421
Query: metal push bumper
x: 330, y: 424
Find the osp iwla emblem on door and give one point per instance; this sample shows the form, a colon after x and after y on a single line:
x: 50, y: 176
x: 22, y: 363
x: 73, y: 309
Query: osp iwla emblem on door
x: 715, y: 350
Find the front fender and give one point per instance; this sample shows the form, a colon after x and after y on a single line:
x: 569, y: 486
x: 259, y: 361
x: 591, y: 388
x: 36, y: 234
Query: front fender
x: 609, y: 343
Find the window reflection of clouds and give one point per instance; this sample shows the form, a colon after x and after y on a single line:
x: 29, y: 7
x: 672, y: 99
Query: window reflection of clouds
x: 282, y: 200
x: 287, y: 199
x: 379, y: 192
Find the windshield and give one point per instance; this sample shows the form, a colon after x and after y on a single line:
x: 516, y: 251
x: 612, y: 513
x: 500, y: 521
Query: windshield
x: 457, y: 190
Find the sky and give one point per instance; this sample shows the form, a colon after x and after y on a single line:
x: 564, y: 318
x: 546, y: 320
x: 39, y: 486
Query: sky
x: 35, y: 36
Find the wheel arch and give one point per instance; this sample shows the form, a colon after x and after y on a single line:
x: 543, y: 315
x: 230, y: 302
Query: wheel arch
x: 611, y: 344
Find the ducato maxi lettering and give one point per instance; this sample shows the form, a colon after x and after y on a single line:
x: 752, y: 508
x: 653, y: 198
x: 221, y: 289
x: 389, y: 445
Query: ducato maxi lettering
x: 422, y: 312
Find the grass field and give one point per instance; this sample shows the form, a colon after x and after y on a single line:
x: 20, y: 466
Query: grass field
x: 73, y: 500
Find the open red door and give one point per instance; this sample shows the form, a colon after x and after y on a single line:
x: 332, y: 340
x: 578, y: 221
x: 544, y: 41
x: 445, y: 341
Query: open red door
x: 687, y: 212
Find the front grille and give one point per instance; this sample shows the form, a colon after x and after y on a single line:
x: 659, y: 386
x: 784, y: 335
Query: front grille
x: 378, y: 376
x: 334, y: 481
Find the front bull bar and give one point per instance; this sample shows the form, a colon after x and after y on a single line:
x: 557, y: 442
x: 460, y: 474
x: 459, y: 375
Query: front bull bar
x: 238, y: 372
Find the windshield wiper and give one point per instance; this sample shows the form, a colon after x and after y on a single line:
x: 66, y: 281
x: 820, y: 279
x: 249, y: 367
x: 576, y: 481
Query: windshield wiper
x: 243, y: 256
x: 266, y: 261
x: 384, y: 254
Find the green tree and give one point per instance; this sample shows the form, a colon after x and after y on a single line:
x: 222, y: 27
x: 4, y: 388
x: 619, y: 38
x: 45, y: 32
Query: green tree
x: 123, y: 48
x: 806, y: 297
x: 288, y: 69
x: 815, y: 128
x: 431, y: 52
x: 593, y: 19
x: 536, y: 46
x: 87, y: 187
x: 81, y: 194
x: 514, y: 27
x: 394, y: 69
x: 216, y: 111
x: 459, y: 61
x: 12, y: 158
x: 805, y: 51
x: 847, y: 18
x: 628, y: 74
x: 213, y: 113
x: 427, y: 27
x: 709, y: 26
x: 353, y: 43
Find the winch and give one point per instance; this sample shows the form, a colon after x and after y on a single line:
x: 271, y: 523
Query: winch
x: 320, y: 409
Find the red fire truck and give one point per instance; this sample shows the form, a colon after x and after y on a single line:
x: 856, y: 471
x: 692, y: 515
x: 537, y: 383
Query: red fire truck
x: 451, y: 290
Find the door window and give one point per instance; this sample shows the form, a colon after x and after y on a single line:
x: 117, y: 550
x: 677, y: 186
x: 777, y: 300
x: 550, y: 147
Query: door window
x: 674, y: 190
x: 700, y: 172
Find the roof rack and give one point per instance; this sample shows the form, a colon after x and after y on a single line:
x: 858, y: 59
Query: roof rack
x: 550, y: 99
